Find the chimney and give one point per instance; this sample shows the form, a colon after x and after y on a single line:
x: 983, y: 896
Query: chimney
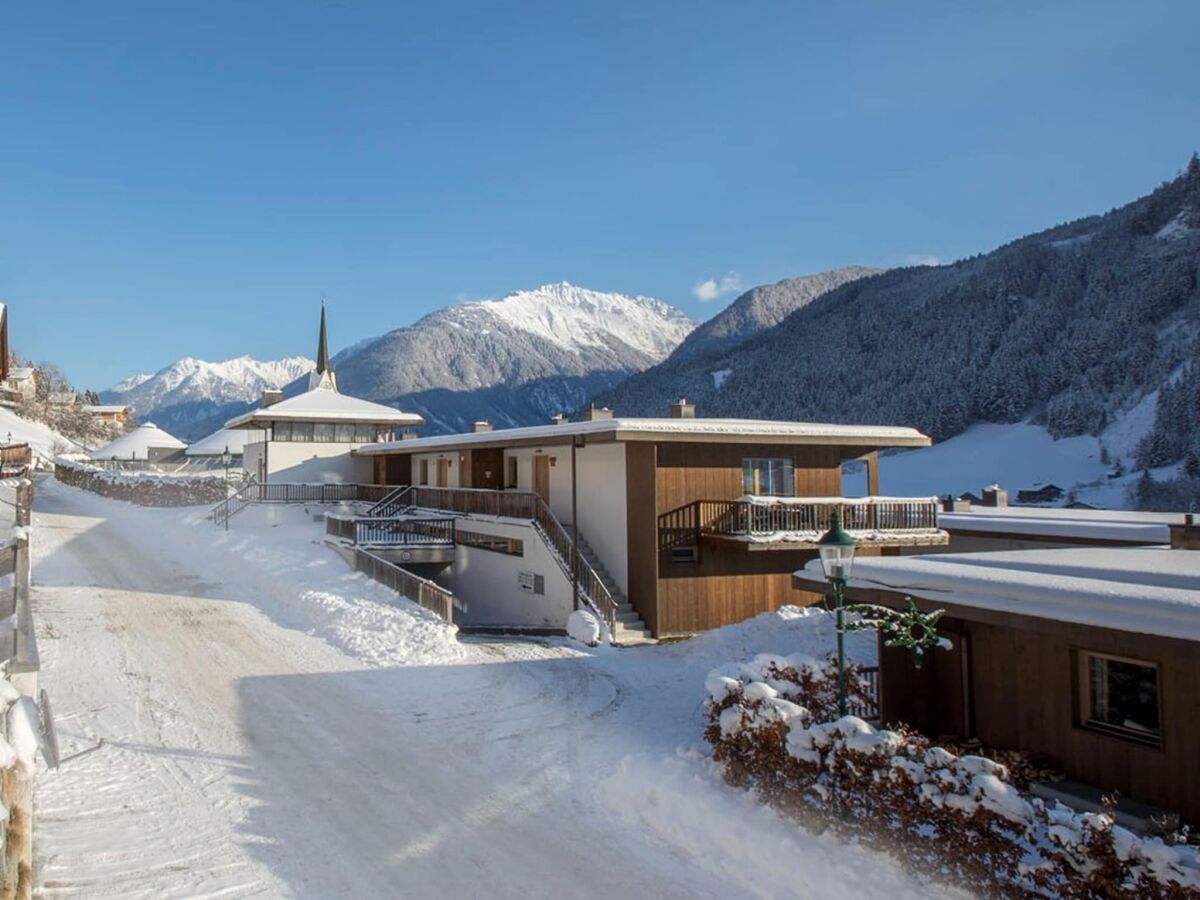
x: 1187, y: 535
x: 994, y: 495
x: 481, y: 426
x: 271, y: 396
x: 683, y: 409
x: 594, y: 412
x: 408, y: 435
x: 560, y: 419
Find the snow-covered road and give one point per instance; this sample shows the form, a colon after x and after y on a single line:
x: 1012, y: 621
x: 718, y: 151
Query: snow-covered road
x: 243, y: 757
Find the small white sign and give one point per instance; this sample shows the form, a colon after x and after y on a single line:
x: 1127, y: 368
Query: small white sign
x: 526, y: 581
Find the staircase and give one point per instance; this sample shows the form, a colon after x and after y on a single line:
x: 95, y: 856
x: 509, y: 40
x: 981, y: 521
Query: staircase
x: 629, y: 628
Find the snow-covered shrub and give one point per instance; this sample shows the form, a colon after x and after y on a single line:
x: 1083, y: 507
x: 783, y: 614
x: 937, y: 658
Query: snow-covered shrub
x: 584, y: 627
x: 143, y: 488
x: 774, y: 727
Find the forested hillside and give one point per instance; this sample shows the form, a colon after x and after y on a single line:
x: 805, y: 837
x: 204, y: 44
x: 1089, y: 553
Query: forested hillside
x: 1068, y: 327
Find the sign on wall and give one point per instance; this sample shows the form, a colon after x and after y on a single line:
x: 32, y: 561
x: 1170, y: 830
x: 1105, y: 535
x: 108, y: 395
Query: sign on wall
x: 531, y: 582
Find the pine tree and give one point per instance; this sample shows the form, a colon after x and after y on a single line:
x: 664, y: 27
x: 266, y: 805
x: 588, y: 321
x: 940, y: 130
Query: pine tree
x: 1191, y: 463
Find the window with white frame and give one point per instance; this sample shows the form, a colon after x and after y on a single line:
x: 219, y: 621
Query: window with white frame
x: 764, y: 477
x: 1120, y: 696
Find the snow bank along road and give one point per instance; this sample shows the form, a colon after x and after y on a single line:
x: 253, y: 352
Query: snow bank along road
x: 252, y: 748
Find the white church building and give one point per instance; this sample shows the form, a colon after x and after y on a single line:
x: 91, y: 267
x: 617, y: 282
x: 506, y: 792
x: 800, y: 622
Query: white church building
x: 309, y: 438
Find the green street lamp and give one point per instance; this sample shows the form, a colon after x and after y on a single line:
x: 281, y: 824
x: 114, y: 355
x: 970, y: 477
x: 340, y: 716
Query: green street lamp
x: 910, y: 628
x: 836, y: 548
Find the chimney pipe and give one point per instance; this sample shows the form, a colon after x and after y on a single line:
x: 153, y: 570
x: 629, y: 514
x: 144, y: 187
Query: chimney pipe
x: 594, y: 412
x: 481, y: 426
x: 271, y: 396
x: 560, y: 419
x: 408, y: 435
x: 683, y: 409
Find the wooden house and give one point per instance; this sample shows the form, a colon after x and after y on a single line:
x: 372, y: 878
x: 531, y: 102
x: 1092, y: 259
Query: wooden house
x: 692, y: 523
x: 1088, y: 657
x: 110, y: 414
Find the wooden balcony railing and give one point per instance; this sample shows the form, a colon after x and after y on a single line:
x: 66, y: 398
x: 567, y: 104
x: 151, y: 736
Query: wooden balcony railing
x: 421, y: 591
x: 798, y: 519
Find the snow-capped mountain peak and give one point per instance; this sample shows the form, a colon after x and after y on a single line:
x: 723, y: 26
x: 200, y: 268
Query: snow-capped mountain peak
x: 576, y: 318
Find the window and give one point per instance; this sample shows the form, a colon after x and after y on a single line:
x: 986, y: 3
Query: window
x: 324, y: 432
x: 1120, y: 696
x: 689, y: 553
x: 768, y: 477
x: 282, y: 431
x: 424, y: 468
x: 364, y: 434
x: 345, y: 433
x: 302, y: 431
x: 510, y: 472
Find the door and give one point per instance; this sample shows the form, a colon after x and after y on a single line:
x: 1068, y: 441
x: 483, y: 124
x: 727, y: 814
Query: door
x: 541, y: 477
x: 443, y: 472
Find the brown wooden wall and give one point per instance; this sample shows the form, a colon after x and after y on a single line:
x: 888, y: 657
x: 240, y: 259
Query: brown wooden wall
x: 1021, y: 694
x: 642, y: 531
x: 728, y: 583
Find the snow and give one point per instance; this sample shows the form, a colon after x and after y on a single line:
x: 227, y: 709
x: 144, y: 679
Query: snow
x: 42, y: 440
x: 262, y: 741
x: 584, y: 627
x: 242, y: 379
x: 232, y: 439
x: 1146, y: 590
x: 1018, y: 457
x: 1086, y: 524
x: 323, y: 404
x: 1177, y: 228
x: 138, y: 443
x: 575, y: 318
x: 650, y: 428
x: 720, y: 375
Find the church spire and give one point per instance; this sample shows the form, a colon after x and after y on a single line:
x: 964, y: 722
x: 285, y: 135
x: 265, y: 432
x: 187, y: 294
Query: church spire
x: 322, y: 345
x: 323, y: 377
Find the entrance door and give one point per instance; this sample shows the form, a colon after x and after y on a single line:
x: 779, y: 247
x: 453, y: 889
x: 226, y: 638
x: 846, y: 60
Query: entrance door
x: 443, y: 472
x: 541, y: 476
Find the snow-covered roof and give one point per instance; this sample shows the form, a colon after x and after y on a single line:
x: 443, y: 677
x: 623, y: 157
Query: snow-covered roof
x: 1148, y: 590
x: 1072, y: 524
x: 138, y: 442
x: 21, y: 373
x: 233, y: 439
x: 653, y: 429
x: 100, y: 409
x: 324, y: 405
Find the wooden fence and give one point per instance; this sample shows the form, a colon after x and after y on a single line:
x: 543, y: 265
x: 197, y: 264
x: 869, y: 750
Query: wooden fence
x: 421, y: 591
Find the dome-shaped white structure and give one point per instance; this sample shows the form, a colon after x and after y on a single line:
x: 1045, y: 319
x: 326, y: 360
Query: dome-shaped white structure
x: 146, y: 442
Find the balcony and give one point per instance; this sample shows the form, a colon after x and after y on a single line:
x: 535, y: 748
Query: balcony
x: 797, y: 523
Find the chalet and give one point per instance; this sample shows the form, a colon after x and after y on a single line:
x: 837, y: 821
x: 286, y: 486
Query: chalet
x: 1089, y: 657
x: 109, y: 414
x: 24, y: 381
x: 679, y: 524
x: 145, y: 444
x: 1047, y: 493
x: 310, y: 437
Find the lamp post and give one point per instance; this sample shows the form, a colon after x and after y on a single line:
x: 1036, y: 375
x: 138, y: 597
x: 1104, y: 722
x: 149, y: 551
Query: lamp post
x: 836, y: 548
x: 226, y: 458
x: 911, y: 629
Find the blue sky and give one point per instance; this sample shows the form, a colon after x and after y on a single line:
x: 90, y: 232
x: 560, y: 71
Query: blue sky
x: 187, y: 179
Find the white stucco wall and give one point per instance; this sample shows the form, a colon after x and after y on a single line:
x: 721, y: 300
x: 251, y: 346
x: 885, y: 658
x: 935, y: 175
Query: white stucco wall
x: 452, y: 474
x: 486, y: 584
x: 310, y: 463
x: 603, y: 519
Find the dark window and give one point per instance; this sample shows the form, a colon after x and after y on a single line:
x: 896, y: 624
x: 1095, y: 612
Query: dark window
x: 424, y: 469
x: 510, y: 472
x: 283, y: 431
x: 302, y: 432
x: 1120, y: 696
x: 345, y: 433
x: 364, y: 434
x: 687, y: 554
x: 324, y: 432
x: 768, y: 477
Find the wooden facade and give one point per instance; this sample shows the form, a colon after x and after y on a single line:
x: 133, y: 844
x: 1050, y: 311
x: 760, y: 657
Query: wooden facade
x: 675, y: 590
x: 1012, y: 681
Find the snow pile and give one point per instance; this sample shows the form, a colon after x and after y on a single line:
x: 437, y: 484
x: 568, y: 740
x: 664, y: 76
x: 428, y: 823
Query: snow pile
x: 948, y: 817
x: 584, y: 627
x: 45, y: 442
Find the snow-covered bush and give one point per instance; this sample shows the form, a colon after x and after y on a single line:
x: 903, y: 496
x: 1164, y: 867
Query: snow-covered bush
x: 583, y: 626
x: 143, y: 488
x: 773, y: 726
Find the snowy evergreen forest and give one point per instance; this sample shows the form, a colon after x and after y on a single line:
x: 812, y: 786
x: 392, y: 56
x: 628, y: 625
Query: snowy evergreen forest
x: 1067, y: 328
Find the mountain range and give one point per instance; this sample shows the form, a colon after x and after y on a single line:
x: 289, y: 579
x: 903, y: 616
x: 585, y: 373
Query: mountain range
x: 1069, y: 328
x: 517, y: 360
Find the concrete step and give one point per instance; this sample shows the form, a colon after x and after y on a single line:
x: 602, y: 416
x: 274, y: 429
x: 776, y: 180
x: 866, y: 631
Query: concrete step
x: 630, y: 617
x: 626, y: 637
